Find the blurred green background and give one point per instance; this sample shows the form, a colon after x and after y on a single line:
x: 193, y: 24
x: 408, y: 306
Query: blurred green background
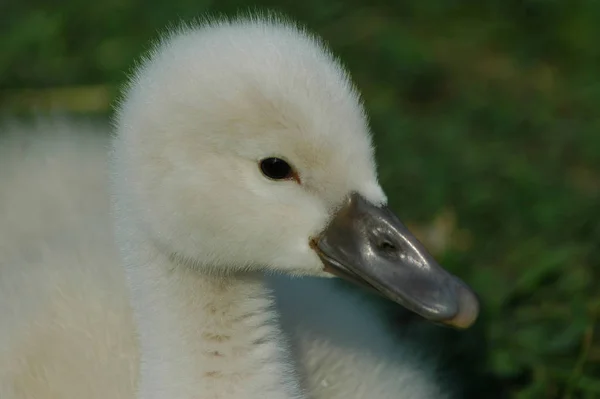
x: 486, y: 117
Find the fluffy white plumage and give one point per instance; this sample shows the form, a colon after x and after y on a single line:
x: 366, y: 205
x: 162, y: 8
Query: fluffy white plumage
x: 197, y: 225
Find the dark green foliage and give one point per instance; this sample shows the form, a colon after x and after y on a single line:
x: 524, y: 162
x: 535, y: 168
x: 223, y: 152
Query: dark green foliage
x: 486, y: 117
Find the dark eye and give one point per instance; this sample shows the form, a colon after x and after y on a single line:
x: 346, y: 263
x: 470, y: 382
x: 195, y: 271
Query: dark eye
x: 276, y: 169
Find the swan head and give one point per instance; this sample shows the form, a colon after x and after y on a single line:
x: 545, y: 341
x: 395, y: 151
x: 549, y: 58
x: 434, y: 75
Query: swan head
x: 243, y: 145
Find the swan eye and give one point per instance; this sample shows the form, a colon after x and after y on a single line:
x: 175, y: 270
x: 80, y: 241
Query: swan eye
x: 276, y: 169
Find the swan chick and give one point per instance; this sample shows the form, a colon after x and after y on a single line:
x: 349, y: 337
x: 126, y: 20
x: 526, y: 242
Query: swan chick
x: 240, y: 149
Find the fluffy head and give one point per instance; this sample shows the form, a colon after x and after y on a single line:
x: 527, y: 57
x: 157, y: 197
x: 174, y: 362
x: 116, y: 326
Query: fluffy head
x: 204, y: 109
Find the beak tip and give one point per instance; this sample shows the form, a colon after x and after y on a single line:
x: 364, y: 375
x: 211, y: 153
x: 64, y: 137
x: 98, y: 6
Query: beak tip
x: 468, y: 309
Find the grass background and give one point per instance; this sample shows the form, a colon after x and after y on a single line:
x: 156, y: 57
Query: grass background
x: 486, y: 117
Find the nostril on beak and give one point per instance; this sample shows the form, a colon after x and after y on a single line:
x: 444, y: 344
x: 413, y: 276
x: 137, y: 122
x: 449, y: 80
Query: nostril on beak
x: 387, y: 246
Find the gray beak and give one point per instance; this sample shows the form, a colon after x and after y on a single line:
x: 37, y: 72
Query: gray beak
x: 368, y: 245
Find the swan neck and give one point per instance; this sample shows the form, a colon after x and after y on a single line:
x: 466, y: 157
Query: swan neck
x: 203, y: 335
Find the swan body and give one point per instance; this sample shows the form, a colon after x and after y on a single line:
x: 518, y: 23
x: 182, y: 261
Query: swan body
x: 154, y: 286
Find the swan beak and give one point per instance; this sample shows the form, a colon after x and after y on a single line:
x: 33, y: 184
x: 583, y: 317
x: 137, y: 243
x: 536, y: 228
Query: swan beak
x: 369, y: 245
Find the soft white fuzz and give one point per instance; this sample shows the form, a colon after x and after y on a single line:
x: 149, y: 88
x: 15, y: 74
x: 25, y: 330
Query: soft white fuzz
x: 197, y: 225
x: 66, y: 328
